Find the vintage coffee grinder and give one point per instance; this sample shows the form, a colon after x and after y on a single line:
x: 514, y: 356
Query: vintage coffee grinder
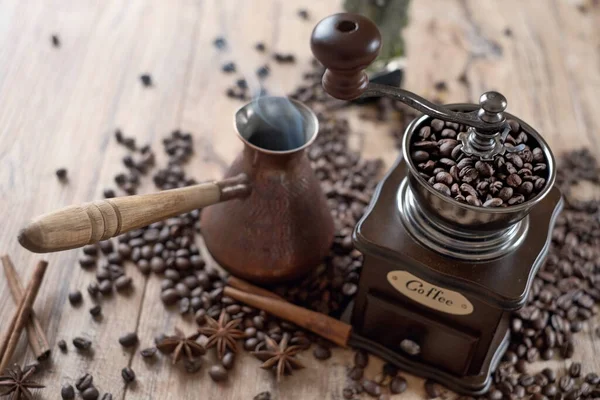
x: 441, y: 276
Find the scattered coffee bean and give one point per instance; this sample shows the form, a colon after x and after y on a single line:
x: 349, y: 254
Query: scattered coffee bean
x: 146, y: 80
x: 284, y: 58
x: 87, y: 261
x: 228, y: 360
x: 62, y: 345
x: 229, y: 67
x: 105, y: 287
x: 262, y: 396
x: 90, y: 250
x: 303, y: 13
x: 67, y: 392
x: 321, y: 352
x: 90, y: 394
x: 398, y: 385
x: 371, y: 387
x: 263, y: 71
x: 55, y: 41
x: 82, y: 343
x: 356, y: 373
x: 432, y: 389
x: 107, y: 396
x: 361, y: 359
x: 128, y: 375
x: 129, y: 339
x: 148, y: 352
x: 123, y: 282
x: 217, y: 373
x: 220, y: 43
x: 61, y: 174
x: 96, y: 311
x: 260, y: 46
x: 83, y: 382
x: 75, y: 297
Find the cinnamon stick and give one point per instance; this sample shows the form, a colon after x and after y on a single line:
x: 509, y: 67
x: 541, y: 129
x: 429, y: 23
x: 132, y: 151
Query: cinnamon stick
x: 329, y: 328
x: 35, y: 334
x: 250, y: 288
x: 11, y: 338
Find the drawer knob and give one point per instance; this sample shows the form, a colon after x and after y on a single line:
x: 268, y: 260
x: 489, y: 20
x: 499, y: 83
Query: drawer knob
x: 410, y: 347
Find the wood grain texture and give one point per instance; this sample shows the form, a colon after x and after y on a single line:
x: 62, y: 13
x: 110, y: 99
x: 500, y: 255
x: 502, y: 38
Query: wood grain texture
x: 59, y: 108
x: 77, y: 225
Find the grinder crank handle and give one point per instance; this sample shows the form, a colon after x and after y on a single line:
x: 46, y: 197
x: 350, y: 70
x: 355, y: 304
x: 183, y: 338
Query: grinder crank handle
x: 78, y: 225
x: 347, y: 43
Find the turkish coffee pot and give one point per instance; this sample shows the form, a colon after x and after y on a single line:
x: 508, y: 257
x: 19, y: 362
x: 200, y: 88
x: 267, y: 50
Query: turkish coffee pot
x: 268, y: 219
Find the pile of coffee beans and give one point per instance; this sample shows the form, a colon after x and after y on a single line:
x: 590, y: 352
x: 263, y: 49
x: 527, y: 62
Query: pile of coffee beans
x: 387, y: 382
x: 508, y: 180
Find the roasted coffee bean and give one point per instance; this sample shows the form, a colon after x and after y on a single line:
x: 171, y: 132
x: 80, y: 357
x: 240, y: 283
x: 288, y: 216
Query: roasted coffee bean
x: 123, y: 282
x: 565, y: 383
x: 90, y: 250
x: 361, y: 359
x: 262, y: 396
x: 107, y: 396
x: 148, y: 352
x: 128, y: 375
x: 432, y: 389
x: 420, y: 156
x: 184, y: 305
x: 96, y: 311
x: 250, y: 344
x: 83, y: 382
x: 371, y: 387
x: 440, y: 187
x: 129, y: 339
x: 321, y: 352
x: 61, y: 174
x: 82, y: 343
x: 67, y: 392
x: 146, y: 80
x: 348, y: 393
x: 263, y: 72
x: 493, y: 202
x: 228, y: 360
x: 169, y: 296
x: 105, y: 287
x: 217, y: 373
x: 575, y: 370
x: 398, y: 385
x: 592, y: 378
x: 106, y: 246
x: 62, y: 345
x: 356, y: 373
x: 87, y: 261
x: 75, y: 297
x: 90, y: 393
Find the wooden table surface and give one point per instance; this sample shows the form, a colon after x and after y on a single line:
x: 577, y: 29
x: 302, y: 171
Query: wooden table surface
x: 60, y: 107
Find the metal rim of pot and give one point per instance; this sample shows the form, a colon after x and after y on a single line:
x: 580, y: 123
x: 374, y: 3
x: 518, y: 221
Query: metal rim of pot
x: 308, y: 116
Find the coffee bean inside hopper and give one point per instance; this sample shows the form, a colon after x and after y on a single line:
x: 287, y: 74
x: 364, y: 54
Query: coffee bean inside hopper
x: 508, y: 180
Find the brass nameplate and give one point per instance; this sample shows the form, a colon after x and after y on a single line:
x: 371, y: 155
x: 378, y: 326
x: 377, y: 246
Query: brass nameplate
x: 429, y: 295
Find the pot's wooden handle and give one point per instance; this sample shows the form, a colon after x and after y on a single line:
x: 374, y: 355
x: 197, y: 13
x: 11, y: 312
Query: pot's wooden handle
x: 329, y: 328
x: 78, y: 225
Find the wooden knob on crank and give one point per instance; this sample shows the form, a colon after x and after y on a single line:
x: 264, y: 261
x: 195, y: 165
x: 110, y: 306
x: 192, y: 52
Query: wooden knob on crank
x: 345, y: 44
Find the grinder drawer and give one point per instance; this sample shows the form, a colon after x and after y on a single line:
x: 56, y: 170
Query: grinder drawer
x: 416, y: 336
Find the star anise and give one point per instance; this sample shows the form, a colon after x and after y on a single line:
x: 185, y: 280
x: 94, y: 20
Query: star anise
x: 181, y: 345
x: 17, y: 382
x: 281, y: 355
x: 222, y: 334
